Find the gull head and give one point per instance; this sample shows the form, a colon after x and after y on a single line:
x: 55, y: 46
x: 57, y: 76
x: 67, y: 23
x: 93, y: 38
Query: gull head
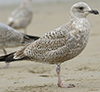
x: 81, y: 10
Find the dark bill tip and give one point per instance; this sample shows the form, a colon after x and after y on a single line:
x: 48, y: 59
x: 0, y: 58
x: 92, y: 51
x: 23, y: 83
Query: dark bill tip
x: 94, y: 11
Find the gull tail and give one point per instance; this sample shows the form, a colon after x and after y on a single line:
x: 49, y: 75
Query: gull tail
x: 7, y: 58
x: 28, y: 39
x: 33, y: 37
x: 15, y: 56
x: 10, y: 58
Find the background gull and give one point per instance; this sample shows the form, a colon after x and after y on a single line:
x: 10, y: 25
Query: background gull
x: 22, y: 16
x: 61, y: 44
x: 9, y: 37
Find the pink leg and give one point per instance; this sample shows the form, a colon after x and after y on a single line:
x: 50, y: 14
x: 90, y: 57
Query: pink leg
x: 59, y: 79
x: 5, y: 52
x: 6, y: 66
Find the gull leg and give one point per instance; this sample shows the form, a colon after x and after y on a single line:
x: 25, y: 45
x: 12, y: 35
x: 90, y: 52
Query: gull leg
x: 6, y: 66
x: 5, y: 52
x: 59, y: 79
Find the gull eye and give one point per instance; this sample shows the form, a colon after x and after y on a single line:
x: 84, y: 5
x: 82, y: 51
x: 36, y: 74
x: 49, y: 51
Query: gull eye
x: 81, y: 8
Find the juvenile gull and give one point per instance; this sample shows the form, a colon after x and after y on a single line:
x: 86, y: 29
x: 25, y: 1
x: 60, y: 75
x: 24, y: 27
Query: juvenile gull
x: 22, y: 16
x: 9, y: 37
x: 61, y: 44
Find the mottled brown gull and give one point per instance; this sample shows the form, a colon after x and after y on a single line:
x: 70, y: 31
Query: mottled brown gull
x: 22, y: 16
x: 9, y: 37
x: 61, y: 44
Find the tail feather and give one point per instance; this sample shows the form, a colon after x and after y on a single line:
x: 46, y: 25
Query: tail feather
x: 27, y: 39
x: 8, y: 57
x: 33, y: 37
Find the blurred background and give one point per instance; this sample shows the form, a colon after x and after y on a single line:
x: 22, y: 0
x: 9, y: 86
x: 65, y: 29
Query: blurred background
x: 47, y: 14
x: 18, y: 1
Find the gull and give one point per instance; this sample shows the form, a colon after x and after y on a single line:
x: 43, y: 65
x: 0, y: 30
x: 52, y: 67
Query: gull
x: 58, y: 45
x: 9, y: 37
x: 22, y: 16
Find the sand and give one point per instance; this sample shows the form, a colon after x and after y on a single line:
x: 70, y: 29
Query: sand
x: 83, y: 71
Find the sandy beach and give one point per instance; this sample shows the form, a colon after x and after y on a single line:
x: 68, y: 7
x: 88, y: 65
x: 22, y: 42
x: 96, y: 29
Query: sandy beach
x: 28, y: 76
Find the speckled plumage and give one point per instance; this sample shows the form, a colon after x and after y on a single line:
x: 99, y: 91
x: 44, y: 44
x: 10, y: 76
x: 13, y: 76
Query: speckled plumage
x: 61, y: 44
x: 21, y: 16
